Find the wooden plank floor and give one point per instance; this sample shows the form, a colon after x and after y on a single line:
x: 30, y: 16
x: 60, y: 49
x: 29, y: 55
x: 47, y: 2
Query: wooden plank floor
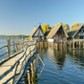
x: 7, y: 65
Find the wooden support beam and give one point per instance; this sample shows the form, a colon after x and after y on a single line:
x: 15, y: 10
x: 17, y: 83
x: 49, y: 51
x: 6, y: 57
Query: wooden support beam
x: 28, y: 77
x: 83, y: 44
x: 79, y: 44
x: 32, y: 73
x: 8, y: 48
x: 73, y: 43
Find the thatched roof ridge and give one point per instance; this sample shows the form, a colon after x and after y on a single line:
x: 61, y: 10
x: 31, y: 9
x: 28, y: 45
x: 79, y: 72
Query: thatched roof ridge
x: 74, y: 30
x: 35, y: 30
x: 54, y: 31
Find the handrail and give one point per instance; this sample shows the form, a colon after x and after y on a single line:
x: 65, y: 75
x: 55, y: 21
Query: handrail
x: 12, y: 67
x: 27, y: 64
x: 8, y: 51
x: 15, y: 72
x: 5, y: 60
x: 3, y: 47
x: 3, y: 54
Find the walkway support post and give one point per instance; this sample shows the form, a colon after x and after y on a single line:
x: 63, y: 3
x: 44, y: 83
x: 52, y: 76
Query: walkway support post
x: 8, y: 48
x: 83, y: 44
x: 28, y: 77
x: 79, y: 44
x: 73, y: 44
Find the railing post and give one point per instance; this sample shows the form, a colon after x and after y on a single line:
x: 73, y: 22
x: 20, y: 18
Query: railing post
x: 14, y: 50
x: 8, y: 48
x: 83, y: 44
x: 73, y: 44
x: 15, y: 72
x: 79, y: 44
x: 28, y: 79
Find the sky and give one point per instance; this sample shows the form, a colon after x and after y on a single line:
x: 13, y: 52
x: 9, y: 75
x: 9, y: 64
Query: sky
x: 21, y: 16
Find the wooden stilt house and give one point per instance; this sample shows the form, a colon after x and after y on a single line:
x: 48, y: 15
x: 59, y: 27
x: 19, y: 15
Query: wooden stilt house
x: 76, y: 36
x: 77, y: 32
x: 37, y: 34
x: 57, y: 34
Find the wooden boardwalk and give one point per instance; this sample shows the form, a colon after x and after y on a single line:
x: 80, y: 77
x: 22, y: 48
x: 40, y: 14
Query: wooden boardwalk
x: 12, y: 69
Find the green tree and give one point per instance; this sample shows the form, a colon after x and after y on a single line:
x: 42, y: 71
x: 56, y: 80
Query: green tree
x: 75, y: 24
x: 45, y: 28
x: 66, y: 27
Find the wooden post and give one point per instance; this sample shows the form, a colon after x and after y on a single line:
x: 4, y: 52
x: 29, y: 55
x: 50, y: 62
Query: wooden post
x: 32, y: 73
x: 73, y: 44
x: 14, y: 47
x: 30, y: 50
x: 70, y: 44
x: 61, y: 45
x: 83, y: 44
x: 34, y: 67
x: 28, y: 77
x: 8, y: 48
x: 56, y: 46
x: 79, y: 44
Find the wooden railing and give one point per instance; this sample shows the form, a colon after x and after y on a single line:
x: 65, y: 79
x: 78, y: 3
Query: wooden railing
x: 10, y: 49
x: 7, y: 50
x: 19, y: 63
x: 24, y: 67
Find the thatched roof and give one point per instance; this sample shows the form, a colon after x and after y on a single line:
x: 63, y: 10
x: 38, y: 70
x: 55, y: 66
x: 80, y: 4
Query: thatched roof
x: 74, y: 30
x: 35, y: 30
x: 54, y: 31
x: 71, y: 33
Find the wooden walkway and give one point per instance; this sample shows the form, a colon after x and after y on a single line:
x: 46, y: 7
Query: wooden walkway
x: 12, y: 69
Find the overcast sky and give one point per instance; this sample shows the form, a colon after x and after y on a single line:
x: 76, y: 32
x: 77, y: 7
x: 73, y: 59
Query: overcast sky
x: 20, y: 16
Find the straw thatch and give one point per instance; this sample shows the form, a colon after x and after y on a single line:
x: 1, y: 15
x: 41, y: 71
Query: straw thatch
x: 54, y: 31
x: 74, y: 30
x: 35, y: 30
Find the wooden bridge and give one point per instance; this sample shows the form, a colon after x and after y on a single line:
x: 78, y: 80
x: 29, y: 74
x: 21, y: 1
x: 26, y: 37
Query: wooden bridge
x: 20, y: 65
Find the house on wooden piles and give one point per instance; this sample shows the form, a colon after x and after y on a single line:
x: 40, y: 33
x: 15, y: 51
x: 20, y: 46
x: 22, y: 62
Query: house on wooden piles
x: 76, y: 35
x: 57, y: 34
x: 37, y: 34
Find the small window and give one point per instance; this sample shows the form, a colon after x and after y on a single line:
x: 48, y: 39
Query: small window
x: 81, y: 37
x: 83, y: 30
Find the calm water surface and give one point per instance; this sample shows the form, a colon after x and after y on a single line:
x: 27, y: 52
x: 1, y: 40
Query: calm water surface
x: 62, y: 66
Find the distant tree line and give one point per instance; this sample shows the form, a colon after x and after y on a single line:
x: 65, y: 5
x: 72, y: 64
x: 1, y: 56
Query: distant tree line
x: 14, y: 36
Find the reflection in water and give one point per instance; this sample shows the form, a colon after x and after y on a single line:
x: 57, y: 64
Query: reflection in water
x: 77, y: 56
x: 58, y: 57
x: 61, y: 65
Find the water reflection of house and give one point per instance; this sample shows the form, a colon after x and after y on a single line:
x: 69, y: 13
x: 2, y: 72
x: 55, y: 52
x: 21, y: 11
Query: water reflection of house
x: 57, y: 34
x: 76, y: 35
x: 37, y: 34
x: 77, y: 56
x: 57, y: 57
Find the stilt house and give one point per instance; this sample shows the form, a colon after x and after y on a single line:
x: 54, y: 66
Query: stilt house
x: 57, y: 34
x: 77, y: 32
x: 37, y: 34
x: 76, y: 36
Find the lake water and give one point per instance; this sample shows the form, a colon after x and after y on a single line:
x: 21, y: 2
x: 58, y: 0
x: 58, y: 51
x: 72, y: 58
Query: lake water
x: 2, y: 51
x: 62, y: 66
